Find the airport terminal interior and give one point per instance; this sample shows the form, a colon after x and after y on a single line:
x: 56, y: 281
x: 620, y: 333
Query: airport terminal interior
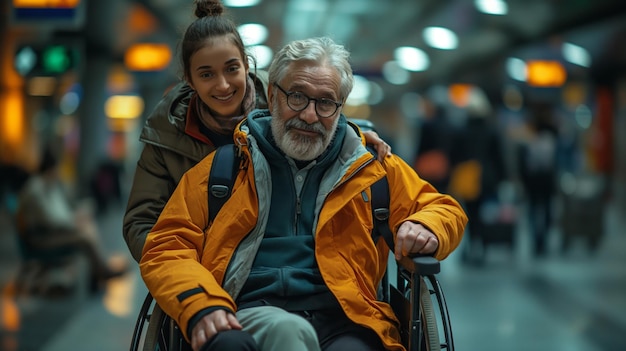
x: 82, y: 76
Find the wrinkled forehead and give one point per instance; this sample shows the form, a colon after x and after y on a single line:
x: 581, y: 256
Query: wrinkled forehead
x: 311, y: 74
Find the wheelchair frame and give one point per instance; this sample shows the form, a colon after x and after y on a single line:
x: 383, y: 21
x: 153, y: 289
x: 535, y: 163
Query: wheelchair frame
x: 411, y: 299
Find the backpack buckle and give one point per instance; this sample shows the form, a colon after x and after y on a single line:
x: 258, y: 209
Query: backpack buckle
x: 219, y: 191
x: 381, y: 214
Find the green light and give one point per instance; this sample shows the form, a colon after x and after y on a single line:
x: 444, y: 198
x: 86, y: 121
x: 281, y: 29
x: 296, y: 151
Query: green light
x: 55, y: 59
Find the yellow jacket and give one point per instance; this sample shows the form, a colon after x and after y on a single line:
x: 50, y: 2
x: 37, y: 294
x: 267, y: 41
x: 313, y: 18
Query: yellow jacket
x: 189, y: 264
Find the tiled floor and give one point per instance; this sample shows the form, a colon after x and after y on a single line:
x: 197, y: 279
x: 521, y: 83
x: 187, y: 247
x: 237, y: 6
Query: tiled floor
x: 572, y: 302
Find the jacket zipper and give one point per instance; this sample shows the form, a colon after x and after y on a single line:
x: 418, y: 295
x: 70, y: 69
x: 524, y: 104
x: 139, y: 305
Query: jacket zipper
x: 298, y: 213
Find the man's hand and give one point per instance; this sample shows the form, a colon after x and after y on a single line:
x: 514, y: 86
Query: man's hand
x: 382, y: 148
x: 210, y: 325
x: 414, y: 238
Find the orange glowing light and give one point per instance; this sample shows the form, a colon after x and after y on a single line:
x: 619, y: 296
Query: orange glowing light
x: 545, y: 73
x: 12, y: 117
x: 459, y: 94
x: 141, y: 20
x: 148, y: 57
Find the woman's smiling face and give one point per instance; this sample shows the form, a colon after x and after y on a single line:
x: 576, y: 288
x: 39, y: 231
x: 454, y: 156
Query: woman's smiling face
x: 218, y: 73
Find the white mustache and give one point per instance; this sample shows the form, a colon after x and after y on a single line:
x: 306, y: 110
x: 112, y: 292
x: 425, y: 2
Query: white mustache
x: 296, y: 123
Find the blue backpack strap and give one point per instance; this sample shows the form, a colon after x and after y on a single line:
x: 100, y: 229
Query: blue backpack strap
x: 221, y: 178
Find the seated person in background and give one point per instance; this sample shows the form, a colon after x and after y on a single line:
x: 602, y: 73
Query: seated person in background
x: 289, y: 262
x: 48, y: 223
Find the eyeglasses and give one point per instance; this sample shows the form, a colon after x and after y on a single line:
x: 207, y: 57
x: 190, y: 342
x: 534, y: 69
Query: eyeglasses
x: 297, y: 101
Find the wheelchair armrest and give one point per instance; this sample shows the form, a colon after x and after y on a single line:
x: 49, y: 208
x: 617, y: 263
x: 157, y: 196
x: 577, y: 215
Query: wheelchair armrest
x: 422, y: 265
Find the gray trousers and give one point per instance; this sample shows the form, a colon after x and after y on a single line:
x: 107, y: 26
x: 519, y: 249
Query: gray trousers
x: 275, y: 329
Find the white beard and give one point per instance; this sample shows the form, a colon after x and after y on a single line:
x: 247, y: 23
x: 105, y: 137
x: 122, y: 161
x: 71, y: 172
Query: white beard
x: 297, y: 146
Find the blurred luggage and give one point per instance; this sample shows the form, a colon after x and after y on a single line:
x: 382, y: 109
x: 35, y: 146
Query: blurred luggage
x: 498, y: 216
x: 583, y: 201
x: 500, y: 220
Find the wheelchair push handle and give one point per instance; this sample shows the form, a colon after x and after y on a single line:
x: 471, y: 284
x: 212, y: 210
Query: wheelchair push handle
x: 421, y: 265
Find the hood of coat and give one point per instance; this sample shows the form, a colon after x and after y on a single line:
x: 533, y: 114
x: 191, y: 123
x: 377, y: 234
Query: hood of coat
x: 165, y: 126
x: 352, y: 157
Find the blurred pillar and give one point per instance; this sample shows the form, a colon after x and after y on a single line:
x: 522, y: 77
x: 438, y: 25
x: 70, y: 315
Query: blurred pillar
x: 101, y: 19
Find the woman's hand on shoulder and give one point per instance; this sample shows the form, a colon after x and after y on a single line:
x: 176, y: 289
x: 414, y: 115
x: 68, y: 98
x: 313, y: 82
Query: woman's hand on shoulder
x: 382, y: 148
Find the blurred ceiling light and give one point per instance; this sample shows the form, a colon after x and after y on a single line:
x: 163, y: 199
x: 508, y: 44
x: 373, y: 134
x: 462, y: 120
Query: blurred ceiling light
x: 440, y: 38
x: 516, y: 68
x: 360, y: 92
x: 395, y: 74
x: 301, y: 16
x: 576, y: 55
x: 25, y: 60
x: 342, y: 27
x: 262, y: 55
x: 241, y: 3
x: 412, y: 58
x: 492, y: 7
x: 319, y: 6
x: 253, y: 33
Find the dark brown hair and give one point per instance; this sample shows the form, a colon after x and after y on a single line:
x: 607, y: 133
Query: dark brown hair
x: 210, y: 23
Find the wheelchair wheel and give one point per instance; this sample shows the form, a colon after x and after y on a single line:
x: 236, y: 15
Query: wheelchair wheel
x: 142, y: 319
x: 430, y: 341
x: 161, y: 333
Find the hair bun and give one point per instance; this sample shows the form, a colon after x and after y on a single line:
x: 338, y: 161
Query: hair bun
x: 205, y: 8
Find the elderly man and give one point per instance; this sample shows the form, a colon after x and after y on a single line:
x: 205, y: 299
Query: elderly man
x: 289, y: 262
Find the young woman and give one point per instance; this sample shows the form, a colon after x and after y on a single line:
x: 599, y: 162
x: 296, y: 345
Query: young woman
x: 196, y: 116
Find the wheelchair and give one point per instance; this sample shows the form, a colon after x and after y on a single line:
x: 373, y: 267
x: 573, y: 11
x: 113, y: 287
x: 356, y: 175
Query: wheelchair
x: 416, y: 298
x: 413, y: 298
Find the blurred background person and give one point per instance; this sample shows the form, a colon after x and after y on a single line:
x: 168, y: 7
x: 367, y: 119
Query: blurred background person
x: 48, y: 224
x: 106, y: 186
x: 436, y: 134
x: 478, y: 172
x: 538, y: 172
